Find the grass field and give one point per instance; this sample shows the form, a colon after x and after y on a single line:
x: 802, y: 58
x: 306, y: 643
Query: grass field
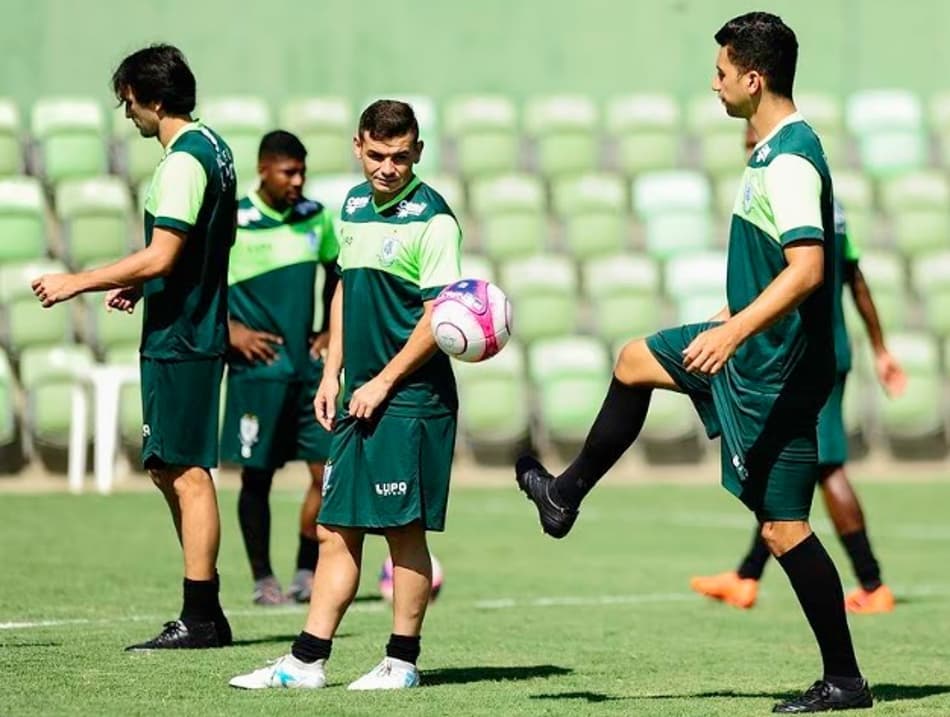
x: 601, y: 623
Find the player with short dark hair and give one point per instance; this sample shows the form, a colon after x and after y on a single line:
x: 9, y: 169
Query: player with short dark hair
x: 740, y: 587
x: 190, y: 212
x: 276, y: 360
x: 393, y: 444
x: 761, y: 371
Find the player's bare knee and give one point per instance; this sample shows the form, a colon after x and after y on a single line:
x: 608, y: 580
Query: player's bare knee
x: 782, y: 535
x: 632, y: 361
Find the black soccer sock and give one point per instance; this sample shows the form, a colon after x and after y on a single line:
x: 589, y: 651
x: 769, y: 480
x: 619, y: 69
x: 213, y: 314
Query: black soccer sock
x: 309, y: 648
x: 816, y: 583
x: 753, y: 564
x: 254, y: 517
x: 616, y: 427
x: 200, y: 601
x: 404, y: 647
x: 308, y: 551
x: 863, y: 562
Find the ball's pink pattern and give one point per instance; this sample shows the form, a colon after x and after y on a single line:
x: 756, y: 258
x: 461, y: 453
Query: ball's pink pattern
x: 473, y: 294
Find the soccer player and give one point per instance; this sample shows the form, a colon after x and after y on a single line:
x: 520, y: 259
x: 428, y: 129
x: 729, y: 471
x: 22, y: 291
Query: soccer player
x: 276, y: 363
x: 760, y: 373
x: 740, y: 587
x: 392, y: 447
x: 190, y: 213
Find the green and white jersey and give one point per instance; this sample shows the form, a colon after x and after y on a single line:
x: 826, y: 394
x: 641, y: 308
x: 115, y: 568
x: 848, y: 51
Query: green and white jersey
x: 271, y: 279
x: 192, y: 191
x: 846, y: 252
x: 393, y: 258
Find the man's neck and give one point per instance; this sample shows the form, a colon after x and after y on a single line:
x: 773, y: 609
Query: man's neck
x: 169, y: 126
x: 770, y: 113
x: 278, y: 206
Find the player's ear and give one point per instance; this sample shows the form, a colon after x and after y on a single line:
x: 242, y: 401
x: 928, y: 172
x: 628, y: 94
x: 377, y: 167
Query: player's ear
x: 417, y: 151
x: 754, y: 82
x: 357, y: 147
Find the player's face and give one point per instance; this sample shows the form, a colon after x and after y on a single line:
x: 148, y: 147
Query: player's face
x: 736, y: 89
x: 387, y: 163
x: 145, y: 118
x: 282, y: 178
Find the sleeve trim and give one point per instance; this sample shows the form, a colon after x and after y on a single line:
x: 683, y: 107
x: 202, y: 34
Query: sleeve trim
x: 172, y: 223
x: 802, y: 233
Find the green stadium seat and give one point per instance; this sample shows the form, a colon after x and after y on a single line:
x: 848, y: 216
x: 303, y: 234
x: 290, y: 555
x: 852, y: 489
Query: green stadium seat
x: 511, y: 213
x: 331, y: 190
x: 107, y: 330
x: 326, y: 127
x: 727, y: 188
x: 853, y: 190
x: 696, y: 284
x: 130, y: 400
x: 888, y: 126
x: 930, y: 275
x: 543, y: 292
x: 476, y: 266
x: 8, y: 413
x: 940, y: 123
x: 570, y: 375
x: 720, y: 137
x: 135, y: 157
x: 450, y: 187
x: 11, y: 151
x: 884, y: 273
x: 242, y: 120
x: 593, y: 209
x: 48, y: 375
x: 824, y: 113
x: 70, y: 134
x: 27, y: 323
x: 485, y: 128
x: 671, y: 424
x: 564, y: 128
x: 858, y: 407
x: 646, y: 129
x: 675, y: 207
x: 22, y: 219
x: 919, y: 206
x: 494, y: 402
x: 95, y: 217
x: 624, y: 291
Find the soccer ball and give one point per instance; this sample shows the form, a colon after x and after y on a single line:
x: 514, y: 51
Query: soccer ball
x: 471, y: 320
x: 386, y: 579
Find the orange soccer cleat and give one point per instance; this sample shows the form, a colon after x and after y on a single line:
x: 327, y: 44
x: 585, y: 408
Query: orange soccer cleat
x: 728, y: 587
x: 880, y: 599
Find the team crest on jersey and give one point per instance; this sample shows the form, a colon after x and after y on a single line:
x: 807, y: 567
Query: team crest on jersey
x: 312, y: 240
x: 387, y: 255
x: 248, y: 433
x: 354, y: 204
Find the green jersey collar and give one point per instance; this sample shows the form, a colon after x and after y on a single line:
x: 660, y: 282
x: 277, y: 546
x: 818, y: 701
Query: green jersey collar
x: 784, y: 122
x: 413, y: 183
x: 265, y: 209
x: 187, y: 128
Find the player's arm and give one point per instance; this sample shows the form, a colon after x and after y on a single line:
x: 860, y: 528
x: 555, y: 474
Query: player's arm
x: 253, y: 345
x: 324, y: 402
x: 794, y: 188
x: 889, y: 371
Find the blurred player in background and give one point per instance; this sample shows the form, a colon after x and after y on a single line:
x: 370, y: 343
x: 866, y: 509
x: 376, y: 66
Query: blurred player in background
x: 740, y: 587
x: 182, y: 273
x: 760, y: 373
x: 392, y: 449
x: 276, y: 364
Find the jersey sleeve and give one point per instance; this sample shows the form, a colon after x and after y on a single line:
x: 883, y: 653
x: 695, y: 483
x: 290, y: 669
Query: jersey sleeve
x: 439, y: 255
x: 329, y: 244
x: 180, y: 192
x: 793, y: 187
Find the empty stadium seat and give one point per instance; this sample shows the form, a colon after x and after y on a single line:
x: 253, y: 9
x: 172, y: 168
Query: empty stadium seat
x: 325, y: 125
x: 720, y: 137
x: 564, y: 128
x: 476, y: 266
x: 593, y: 208
x: 543, y: 292
x: 939, y: 115
x: 109, y: 331
x: 26, y: 322
x: 853, y: 190
x: 511, y: 212
x: 8, y: 412
x: 331, y: 190
x: 70, y: 135
x: 727, y: 188
x: 450, y: 187
x: 888, y: 126
x: 22, y: 219
x: 135, y: 156
x: 130, y: 401
x: 931, y: 280
x: 48, y: 375
x: 675, y: 208
x: 646, y: 129
x: 696, y: 283
x: 919, y: 206
x: 11, y: 152
x: 624, y: 290
x: 485, y: 128
x: 884, y: 274
x: 242, y: 120
x: 94, y: 215
x: 824, y: 114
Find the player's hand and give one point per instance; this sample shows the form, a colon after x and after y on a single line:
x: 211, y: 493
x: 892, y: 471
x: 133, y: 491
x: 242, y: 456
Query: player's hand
x: 51, y: 289
x: 709, y: 351
x: 324, y: 403
x: 319, y: 345
x: 253, y: 345
x: 368, y: 397
x: 123, y: 299
x: 890, y: 374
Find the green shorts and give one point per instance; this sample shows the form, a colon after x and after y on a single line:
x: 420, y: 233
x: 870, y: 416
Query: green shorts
x: 389, y: 473
x: 268, y: 423
x: 832, y: 438
x: 180, y: 402
x: 777, y: 474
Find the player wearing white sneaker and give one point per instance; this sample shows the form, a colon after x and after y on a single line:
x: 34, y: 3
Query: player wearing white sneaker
x: 287, y: 672
x: 390, y: 674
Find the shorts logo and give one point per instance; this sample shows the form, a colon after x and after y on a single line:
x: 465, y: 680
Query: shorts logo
x: 388, y: 489
x: 740, y: 467
x: 387, y: 255
x: 249, y: 431
x: 327, y: 471
x: 146, y: 431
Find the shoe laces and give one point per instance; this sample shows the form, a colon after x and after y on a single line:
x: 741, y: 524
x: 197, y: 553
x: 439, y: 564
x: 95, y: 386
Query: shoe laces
x: 819, y: 690
x: 384, y: 668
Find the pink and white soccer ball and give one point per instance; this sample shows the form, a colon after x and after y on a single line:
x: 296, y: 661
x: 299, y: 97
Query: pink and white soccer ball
x: 471, y: 320
x: 386, y: 579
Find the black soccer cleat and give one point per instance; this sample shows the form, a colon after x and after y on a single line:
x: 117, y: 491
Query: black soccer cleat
x: 824, y: 696
x: 535, y: 482
x: 176, y: 635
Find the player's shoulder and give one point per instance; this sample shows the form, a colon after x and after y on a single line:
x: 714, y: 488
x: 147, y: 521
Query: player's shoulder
x: 305, y: 210
x: 428, y: 203
x: 248, y: 215
x: 358, y: 201
x: 203, y: 144
x: 796, y: 138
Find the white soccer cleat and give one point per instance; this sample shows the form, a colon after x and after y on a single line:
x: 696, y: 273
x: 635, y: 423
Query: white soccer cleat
x: 287, y: 672
x: 390, y: 674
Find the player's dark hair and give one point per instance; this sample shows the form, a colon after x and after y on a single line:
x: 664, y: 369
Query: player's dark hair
x: 280, y: 143
x: 158, y: 73
x: 760, y: 41
x: 385, y: 119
